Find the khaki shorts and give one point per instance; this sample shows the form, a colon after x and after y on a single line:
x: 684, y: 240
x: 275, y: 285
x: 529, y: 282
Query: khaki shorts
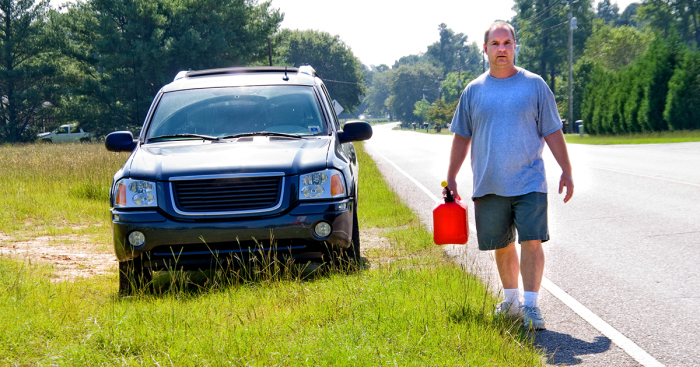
x: 498, y: 217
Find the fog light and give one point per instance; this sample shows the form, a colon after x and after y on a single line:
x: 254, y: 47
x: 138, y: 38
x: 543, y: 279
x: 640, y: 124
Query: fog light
x: 342, y: 206
x: 323, y: 229
x: 137, y: 239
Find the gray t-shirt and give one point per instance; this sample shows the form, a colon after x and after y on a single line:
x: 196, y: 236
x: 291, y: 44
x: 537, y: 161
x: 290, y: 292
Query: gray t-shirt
x: 507, y: 120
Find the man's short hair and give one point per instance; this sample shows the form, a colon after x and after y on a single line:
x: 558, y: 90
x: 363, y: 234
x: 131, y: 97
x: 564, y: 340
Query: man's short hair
x: 496, y: 25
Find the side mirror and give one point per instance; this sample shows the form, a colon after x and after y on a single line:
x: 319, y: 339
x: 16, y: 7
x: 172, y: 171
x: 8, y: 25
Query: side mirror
x: 355, y: 131
x: 120, y: 141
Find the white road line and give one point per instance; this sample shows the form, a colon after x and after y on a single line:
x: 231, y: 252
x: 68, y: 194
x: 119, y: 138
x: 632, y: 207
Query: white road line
x: 643, y: 175
x: 641, y: 356
x: 420, y: 185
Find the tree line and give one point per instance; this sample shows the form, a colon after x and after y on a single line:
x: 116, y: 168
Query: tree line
x: 426, y: 86
x: 99, y: 63
x: 634, y: 70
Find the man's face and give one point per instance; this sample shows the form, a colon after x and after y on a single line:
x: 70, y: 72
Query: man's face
x: 500, y: 48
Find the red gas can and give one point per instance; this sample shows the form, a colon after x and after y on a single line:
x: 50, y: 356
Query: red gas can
x: 450, y: 225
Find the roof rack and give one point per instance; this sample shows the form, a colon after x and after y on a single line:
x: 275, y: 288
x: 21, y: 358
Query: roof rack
x: 237, y: 70
x: 308, y: 70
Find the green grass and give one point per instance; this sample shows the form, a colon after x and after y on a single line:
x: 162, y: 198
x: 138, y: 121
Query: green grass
x: 444, y: 131
x: 638, y: 138
x: 57, y: 189
x: 411, y: 307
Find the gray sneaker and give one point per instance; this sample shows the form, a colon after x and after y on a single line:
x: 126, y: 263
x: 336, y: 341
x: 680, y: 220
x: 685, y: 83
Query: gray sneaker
x: 532, y: 318
x: 509, y: 310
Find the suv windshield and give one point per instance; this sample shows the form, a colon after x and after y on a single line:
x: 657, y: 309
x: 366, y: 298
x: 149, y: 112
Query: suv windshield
x: 222, y: 112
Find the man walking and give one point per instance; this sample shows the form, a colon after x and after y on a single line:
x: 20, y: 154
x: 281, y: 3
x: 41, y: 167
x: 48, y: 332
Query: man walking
x: 506, y: 116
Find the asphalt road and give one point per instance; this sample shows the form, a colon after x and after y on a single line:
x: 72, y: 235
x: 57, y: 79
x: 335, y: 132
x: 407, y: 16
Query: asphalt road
x: 623, y: 247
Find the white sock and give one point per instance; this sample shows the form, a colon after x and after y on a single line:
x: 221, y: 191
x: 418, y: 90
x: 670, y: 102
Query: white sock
x: 530, y: 299
x: 512, y: 296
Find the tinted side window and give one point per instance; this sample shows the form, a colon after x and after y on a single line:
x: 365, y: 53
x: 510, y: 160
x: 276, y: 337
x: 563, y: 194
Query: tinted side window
x: 329, y: 103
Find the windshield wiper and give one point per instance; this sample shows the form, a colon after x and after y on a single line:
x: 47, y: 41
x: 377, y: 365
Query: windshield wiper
x: 205, y: 137
x: 262, y: 133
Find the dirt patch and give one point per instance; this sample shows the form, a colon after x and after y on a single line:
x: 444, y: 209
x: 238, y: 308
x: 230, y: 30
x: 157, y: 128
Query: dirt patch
x: 371, y: 238
x: 76, y: 257
x: 72, y: 256
x: 376, y: 248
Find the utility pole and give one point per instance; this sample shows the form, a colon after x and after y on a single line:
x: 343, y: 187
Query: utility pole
x: 459, y: 76
x: 269, y: 50
x: 572, y: 26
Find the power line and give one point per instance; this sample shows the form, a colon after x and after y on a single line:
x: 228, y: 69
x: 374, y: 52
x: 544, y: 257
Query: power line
x: 338, y: 81
x: 534, y: 17
x: 564, y: 22
x: 538, y: 23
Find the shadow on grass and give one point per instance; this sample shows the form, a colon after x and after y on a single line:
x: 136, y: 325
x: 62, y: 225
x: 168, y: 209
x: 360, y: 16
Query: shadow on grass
x: 256, y: 266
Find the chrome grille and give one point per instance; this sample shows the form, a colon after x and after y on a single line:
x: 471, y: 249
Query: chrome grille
x: 227, y: 195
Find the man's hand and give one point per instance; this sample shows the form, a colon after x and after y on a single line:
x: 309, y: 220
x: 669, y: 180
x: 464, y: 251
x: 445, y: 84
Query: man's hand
x: 452, y: 185
x: 557, y: 145
x: 568, y: 181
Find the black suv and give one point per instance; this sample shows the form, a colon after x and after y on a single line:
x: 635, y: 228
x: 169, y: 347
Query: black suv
x: 235, y: 161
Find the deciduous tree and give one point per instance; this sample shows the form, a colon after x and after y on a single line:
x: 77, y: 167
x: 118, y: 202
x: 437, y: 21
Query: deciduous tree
x: 616, y: 47
x: 332, y: 59
x: 409, y: 84
x: 421, y: 109
x: 378, y: 94
x: 452, y: 88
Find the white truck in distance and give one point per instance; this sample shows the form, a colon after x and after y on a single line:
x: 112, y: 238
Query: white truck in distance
x: 65, y: 134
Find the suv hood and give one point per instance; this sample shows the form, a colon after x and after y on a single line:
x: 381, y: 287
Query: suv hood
x: 161, y: 161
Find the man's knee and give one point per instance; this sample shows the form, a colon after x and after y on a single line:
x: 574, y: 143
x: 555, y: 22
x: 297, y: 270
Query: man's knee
x: 534, y: 245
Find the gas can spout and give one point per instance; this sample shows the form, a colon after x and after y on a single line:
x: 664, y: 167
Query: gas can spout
x: 448, y: 194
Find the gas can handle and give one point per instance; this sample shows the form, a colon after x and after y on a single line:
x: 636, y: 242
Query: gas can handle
x: 448, y: 194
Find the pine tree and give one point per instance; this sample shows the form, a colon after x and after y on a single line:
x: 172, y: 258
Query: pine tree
x: 125, y: 50
x: 683, y: 101
x: 660, y: 61
x: 27, y: 68
x: 542, y: 31
x: 636, y: 81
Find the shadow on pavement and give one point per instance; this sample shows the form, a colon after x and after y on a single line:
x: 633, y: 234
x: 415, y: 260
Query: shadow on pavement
x: 563, y: 349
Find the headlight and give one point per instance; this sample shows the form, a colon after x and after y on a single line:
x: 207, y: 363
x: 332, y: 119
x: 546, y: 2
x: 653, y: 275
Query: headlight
x: 321, y: 185
x: 130, y: 193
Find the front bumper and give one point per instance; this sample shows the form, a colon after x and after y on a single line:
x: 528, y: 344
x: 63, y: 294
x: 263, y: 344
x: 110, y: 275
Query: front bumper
x: 198, y: 242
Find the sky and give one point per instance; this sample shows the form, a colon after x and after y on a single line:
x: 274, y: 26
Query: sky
x: 382, y: 31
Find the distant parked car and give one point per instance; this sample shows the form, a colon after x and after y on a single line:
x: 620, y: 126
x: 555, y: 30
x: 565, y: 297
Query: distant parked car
x: 66, y: 133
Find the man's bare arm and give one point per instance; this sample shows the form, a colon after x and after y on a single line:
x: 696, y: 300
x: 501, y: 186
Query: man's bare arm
x: 458, y: 153
x: 557, y: 145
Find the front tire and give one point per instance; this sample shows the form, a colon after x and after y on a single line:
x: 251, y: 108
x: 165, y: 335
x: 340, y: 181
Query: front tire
x: 133, y: 277
x: 353, y: 252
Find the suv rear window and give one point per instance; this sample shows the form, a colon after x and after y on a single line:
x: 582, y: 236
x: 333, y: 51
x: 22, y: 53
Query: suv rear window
x: 222, y: 112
